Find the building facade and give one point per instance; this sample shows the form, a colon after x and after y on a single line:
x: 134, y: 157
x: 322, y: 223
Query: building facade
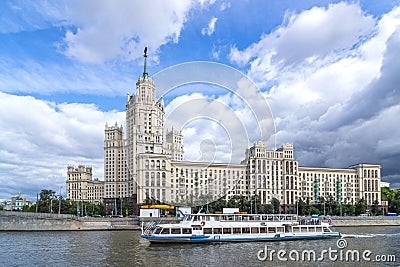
x: 148, y: 164
x: 82, y: 187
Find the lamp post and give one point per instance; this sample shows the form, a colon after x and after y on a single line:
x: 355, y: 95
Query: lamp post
x: 37, y: 202
x: 59, y: 202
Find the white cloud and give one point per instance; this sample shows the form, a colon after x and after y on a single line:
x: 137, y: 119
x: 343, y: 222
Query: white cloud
x: 308, y: 39
x: 334, y: 86
x: 122, y: 29
x: 39, y: 139
x: 225, y: 5
x: 210, y: 28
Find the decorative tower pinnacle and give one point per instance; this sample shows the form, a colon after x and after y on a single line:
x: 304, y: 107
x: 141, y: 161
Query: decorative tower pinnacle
x: 145, y: 62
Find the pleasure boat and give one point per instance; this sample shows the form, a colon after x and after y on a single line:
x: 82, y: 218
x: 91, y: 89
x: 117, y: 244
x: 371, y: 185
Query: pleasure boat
x: 196, y: 228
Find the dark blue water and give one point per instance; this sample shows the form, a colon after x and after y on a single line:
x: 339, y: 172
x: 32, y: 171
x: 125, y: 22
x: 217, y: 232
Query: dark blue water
x: 126, y: 248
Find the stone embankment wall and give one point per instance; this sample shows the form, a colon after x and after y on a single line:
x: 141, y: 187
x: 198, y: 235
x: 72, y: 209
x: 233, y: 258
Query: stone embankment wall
x: 366, y: 221
x: 26, y: 221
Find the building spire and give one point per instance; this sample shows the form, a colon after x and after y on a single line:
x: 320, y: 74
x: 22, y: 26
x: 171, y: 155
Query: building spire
x: 145, y: 62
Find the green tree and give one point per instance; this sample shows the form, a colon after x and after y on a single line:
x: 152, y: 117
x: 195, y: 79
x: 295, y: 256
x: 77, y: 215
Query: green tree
x: 375, y: 208
x: 361, y: 206
x: 392, y: 197
x: 275, y: 205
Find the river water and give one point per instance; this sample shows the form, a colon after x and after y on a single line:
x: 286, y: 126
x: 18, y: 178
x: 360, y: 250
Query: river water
x: 126, y: 248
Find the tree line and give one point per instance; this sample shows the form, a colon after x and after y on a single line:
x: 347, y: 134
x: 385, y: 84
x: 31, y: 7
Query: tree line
x: 50, y: 202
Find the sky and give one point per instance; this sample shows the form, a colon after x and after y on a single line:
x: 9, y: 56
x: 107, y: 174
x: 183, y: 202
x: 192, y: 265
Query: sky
x: 326, y: 75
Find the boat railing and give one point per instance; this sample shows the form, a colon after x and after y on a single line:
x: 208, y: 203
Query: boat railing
x: 239, y: 217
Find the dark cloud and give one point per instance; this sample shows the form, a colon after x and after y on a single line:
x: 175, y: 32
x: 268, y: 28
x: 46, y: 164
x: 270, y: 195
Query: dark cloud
x: 383, y: 92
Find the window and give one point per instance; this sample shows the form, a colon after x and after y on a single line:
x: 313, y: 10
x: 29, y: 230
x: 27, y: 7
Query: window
x: 175, y: 231
x: 207, y: 230
x: 236, y: 230
x: 227, y: 230
x: 254, y: 230
x: 186, y: 231
x: 217, y: 231
x: 246, y: 230
x: 165, y: 231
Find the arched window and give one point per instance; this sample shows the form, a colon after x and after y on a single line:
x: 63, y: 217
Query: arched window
x: 158, y: 165
x: 163, y: 165
x: 152, y: 179
x: 158, y: 179
x: 147, y: 178
x: 163, y: 179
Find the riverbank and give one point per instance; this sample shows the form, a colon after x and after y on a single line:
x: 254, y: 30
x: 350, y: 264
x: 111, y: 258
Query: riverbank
x: 28, y: 221
x: 365, y: 221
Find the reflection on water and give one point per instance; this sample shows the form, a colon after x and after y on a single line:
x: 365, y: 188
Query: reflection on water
x: 126, y: 248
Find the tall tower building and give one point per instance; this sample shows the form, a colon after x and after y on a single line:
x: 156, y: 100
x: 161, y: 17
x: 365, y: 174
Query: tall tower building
x: 115, y: 169
x: 144, y: 125
x: 174, y: 144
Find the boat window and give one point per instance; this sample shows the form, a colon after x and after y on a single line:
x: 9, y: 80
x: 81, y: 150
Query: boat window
x: 280, y: 229
x: 257, y: 218
x: 312, y: 229
x: 254, y: 230
x: 227, y: 230
x: 237, y: 230
x: 271, y: 230
x: 186, y: 230
x: 264, y: 218
x: 296, y: 229
x: 230, y: 218
x: 207, y: 230
x: 196, y: 218
x: 246, y: 230
x: 326, y: 229
x: 196, y: 227
x: 263, y: 230
x: 176, y: 231
x: 165, y: 231
x: 319, y: 229
x: 158, y: 230
x: 217, y: 230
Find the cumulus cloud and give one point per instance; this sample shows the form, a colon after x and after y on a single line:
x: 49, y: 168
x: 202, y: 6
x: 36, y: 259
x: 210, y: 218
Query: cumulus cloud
x: 306, y: 39
x: 121, y: 29
x: 39, y: 139
x: 226, y: 122
x: 331, y: 77
x: 209, y: 30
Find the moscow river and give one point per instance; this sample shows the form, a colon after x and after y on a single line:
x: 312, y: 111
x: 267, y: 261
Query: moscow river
x: 126, y: 248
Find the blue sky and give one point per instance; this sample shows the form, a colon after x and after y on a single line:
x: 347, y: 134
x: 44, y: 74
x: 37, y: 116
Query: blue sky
x: 327, y: 69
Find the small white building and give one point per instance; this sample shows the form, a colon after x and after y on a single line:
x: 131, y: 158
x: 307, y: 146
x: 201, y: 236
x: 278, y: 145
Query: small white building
x: 230, y: 210
x: 150, y: 213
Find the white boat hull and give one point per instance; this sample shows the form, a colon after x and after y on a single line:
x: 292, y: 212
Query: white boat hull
x: 236, y: 238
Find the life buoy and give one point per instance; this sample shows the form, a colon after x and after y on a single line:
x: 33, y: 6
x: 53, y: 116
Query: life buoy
x: 203, y: 223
